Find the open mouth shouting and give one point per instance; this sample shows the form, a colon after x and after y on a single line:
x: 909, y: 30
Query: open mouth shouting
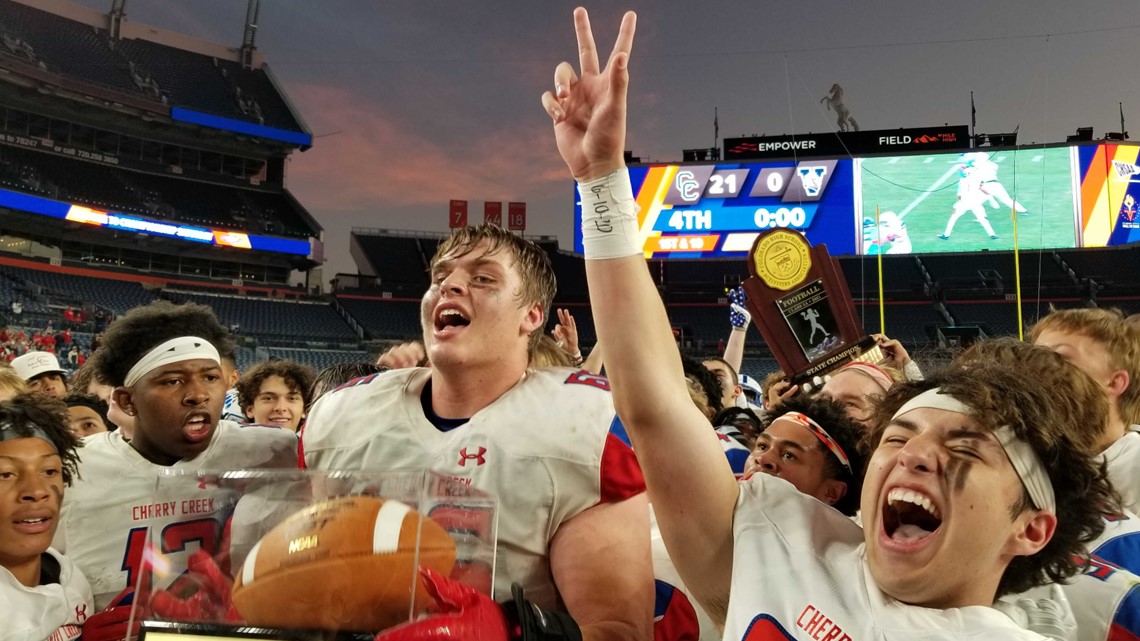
x: 197, y: 427
x: 450, y: 320
x: 910, y: 517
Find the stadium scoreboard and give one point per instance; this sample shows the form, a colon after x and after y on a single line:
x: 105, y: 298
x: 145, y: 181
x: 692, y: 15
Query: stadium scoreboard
x: 958, y: 201
x: 690, y: 211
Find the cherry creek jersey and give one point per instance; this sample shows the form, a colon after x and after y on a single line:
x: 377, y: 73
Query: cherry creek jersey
x: 676, y: 615
x: 800, y: 572
x: 1105, y: 602
x: 50, y: 612
x: 549, y: 448
x: 734, y: 451
x: 1105, y: 598
x: 109, y: 509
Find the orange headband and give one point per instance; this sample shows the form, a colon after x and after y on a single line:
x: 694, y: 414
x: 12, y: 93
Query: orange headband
x: 815, y: 428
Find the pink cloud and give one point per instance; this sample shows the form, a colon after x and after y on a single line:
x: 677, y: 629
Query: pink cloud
x: 377, y: 161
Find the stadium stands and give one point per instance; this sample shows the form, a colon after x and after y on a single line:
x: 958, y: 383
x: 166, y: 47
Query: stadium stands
x: 271, y: 319
x: 68, y: 290
x: 142, y: 68
x: 384, y: 319
x: 319, y: 359
x: 67, y: 47
x: 192, y: 202
x: 902, y: 279
x: 396, y: 259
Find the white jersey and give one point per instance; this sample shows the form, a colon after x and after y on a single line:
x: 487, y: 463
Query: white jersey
x: 1123, y: 458
x: 800, y: 572
x: 549, y: 448
x: 676, y: 615
x: 50, y: 612
x: 1105, y: 599
x: 986, y: 170
x: 108, y: 510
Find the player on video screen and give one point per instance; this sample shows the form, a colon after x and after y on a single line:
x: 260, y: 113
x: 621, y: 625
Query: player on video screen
x: 986, y: 170
x: 971, y: 197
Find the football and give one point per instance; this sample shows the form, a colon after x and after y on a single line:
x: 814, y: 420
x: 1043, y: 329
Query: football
x: 344, y: 564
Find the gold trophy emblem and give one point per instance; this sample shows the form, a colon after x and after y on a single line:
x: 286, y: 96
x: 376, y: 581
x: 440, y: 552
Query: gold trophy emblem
x: 782, y: 259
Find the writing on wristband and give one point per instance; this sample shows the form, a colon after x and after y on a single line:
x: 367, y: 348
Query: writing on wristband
x: 609, y: 217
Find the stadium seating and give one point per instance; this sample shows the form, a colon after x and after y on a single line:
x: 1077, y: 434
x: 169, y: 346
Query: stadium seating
x: 114, y: 295
x: 402, y: 259
x: 384, y: 319
x: 163, y: 197
x: 68, y: 47
x: 902, y: 279
x: 319, y: 359
x: 182, y: 78
x: 994, y: 274
x: 1113, y: 268
x: 272, y: 319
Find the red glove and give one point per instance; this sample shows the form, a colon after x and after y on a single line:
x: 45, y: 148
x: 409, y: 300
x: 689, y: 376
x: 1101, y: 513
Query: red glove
x: 461, y: 614
x: 202, y: 594
x: 113, y: 623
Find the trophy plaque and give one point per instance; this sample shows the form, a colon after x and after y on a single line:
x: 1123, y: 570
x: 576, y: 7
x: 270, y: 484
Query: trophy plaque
x: 800, y: 303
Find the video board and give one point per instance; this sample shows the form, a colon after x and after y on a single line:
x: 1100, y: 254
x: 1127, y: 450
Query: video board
x: 32, y: 204
x: 963, y: 202
x: 1110, y: 189
x: 1066, y: 196
x: 717, y: 210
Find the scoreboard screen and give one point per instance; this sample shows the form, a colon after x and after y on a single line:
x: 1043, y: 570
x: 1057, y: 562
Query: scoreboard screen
x: 717, y: 210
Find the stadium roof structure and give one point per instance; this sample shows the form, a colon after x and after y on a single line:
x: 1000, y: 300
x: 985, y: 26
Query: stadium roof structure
x: 63, y: 46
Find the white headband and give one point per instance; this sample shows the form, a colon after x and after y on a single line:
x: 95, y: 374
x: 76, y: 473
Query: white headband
x: 1025, y: 461
x: 175, y: 350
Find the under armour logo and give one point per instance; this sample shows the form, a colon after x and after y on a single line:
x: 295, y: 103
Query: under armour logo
x: 81, y: 613
x: 465, y: 456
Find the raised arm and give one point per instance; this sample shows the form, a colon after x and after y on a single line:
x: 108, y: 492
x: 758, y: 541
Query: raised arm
x: 739, y: 317
x: 690, y: 483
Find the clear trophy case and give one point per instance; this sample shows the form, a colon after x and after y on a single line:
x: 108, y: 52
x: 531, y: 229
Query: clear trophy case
x: 300, y: 555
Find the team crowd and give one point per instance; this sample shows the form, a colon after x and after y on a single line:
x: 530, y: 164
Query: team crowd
x: 643, y: 495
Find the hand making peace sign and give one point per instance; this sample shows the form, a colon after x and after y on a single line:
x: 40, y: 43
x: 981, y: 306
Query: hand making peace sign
x: 589, y: 111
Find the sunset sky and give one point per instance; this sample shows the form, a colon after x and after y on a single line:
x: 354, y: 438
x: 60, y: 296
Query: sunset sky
x: 415, y: 102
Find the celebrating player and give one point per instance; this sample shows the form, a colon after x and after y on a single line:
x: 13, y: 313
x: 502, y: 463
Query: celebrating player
x: 977, y: 485
x: 573, y: 530
x: 42, y: 593
x: 1105, y: 598
x: 276, y: 393
x: 164, y: 366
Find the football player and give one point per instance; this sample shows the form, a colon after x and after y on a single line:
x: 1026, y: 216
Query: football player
x: 977, y: 486
x: 1108, y: 349
x: 1105, y: 598
x: 166, y: 370
x: 971, y: 198
x: 574, y: 529
x: 43, y: 595
x: 276, y: 392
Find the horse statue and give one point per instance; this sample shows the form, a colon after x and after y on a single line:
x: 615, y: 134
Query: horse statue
x: 835, y: 101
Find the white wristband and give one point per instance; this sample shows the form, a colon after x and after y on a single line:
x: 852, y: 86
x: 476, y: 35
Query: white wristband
x: 609, y: 217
